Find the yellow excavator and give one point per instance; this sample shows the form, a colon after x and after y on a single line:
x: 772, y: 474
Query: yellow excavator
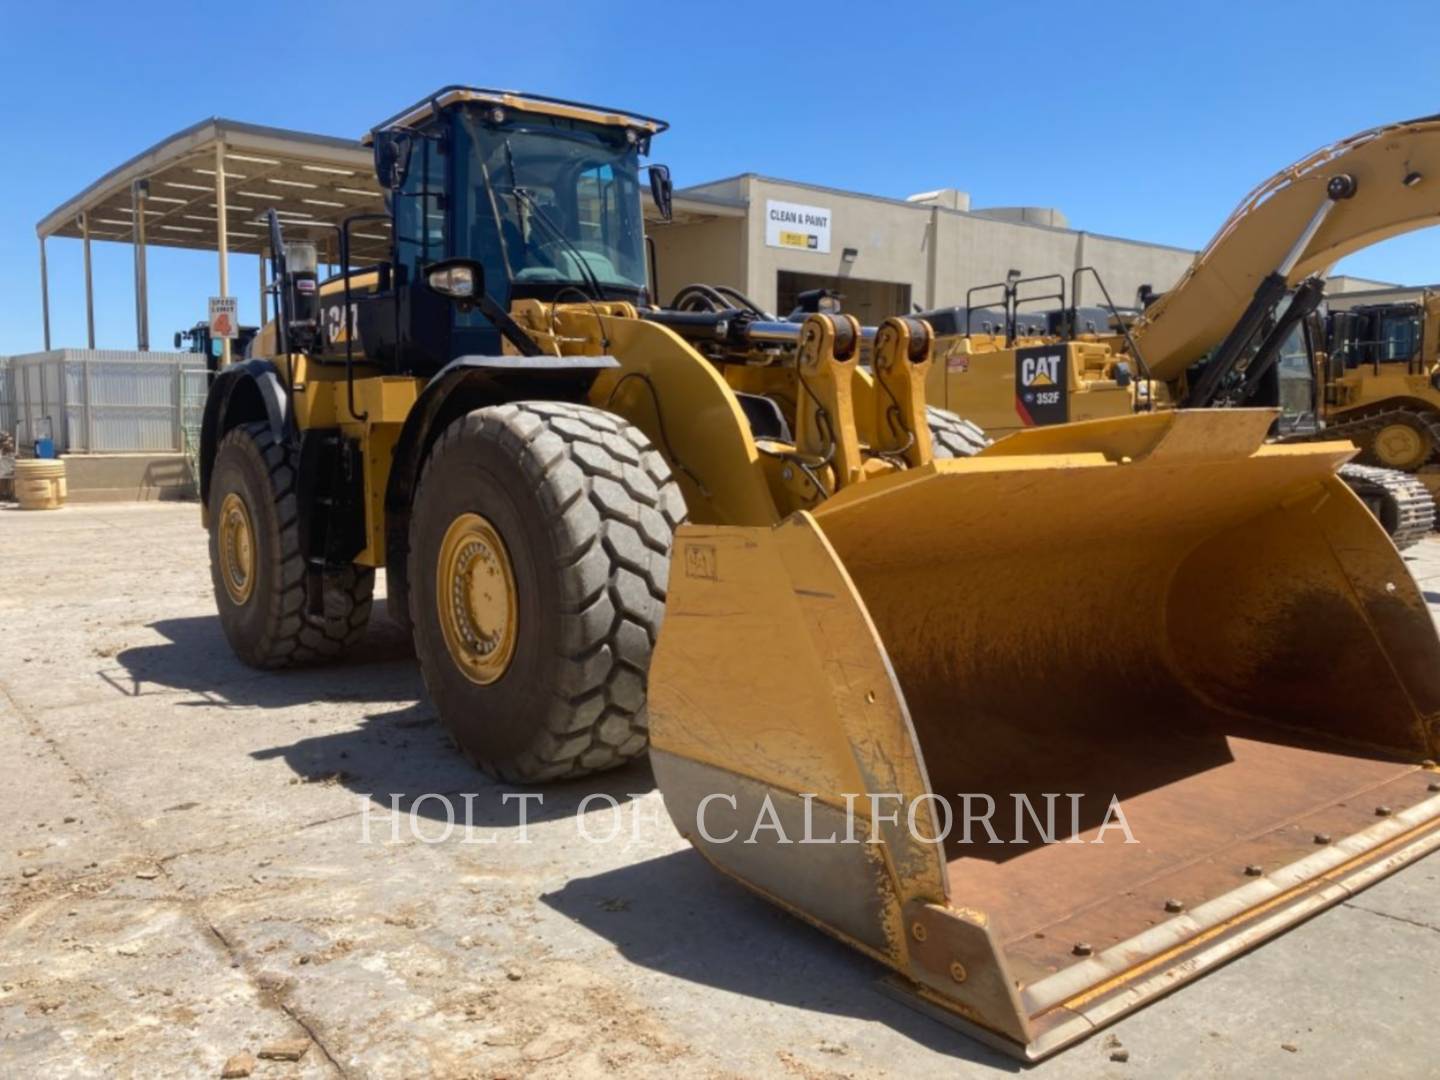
x: 1241, y: 327
x: 609, y: 523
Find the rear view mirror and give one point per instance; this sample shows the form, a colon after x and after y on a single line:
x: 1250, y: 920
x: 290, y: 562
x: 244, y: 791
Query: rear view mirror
x: 392, y: 158
x: 662, y: 190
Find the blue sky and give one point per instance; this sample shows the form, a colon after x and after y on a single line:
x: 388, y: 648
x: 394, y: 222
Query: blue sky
x: 1135, y: 120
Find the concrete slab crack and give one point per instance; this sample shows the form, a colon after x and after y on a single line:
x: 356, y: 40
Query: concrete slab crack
x: 1393, y: 918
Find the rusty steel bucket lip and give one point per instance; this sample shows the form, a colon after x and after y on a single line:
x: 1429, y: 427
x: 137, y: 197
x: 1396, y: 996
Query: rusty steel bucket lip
x: 1094, y: 993
x: 1228, y: 908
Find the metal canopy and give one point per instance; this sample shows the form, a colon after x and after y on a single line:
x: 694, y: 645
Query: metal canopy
x: 311, y: 181
x: 208, y: 188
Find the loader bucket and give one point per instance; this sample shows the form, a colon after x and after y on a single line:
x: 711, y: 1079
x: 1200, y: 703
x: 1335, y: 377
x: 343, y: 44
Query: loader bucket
x: 1200, y: 647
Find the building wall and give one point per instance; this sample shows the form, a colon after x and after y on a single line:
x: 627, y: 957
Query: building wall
x: 1344, y: 283
x: 891, y: 240
x: 1397, y: 294
x: 711, y: 251
x: 937, y: 252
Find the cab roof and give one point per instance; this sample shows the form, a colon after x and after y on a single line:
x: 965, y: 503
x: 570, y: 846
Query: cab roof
x: 521, y: 102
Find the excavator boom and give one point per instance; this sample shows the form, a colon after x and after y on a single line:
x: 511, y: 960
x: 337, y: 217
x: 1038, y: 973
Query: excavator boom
x: 1299, y: 222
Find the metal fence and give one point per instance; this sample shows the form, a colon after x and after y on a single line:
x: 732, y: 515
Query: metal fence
x: 100, y: 400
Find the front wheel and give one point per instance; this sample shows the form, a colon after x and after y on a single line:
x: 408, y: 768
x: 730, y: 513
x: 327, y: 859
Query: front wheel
x: 539, y: 556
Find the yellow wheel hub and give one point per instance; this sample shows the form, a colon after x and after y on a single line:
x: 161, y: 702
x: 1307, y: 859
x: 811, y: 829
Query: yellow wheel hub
x: 476, y: 597
x: 1401, y: 446
x: 237, y: 548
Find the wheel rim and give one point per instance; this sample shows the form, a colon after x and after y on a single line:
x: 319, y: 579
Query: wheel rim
x: 476, y: 597
x: 1400, y: 446
x: 237, y: 548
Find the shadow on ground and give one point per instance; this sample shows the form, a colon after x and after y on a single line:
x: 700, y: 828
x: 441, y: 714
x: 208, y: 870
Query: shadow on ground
x: 678, y: 916
x: 404, y: 761
x: 394, y: 755
x: 196, y: 657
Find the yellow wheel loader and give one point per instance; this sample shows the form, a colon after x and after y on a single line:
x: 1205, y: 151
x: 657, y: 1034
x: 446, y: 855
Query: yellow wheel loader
x: 1240, y: 328
x: 608, y: 522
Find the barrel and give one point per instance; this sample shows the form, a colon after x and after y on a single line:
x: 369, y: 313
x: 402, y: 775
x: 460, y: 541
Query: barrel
x: 40, y: 484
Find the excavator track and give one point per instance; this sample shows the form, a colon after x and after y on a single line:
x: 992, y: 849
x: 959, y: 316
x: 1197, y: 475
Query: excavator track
x: 1398, y: 500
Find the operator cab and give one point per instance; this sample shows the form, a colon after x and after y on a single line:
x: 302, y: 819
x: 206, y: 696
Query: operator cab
x: 1377, y: 334
x: 545, y: 195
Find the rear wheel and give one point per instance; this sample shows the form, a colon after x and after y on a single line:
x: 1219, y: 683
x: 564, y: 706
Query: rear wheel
x: 257, y: 568
x: 953, y: 437
x: 539, y: 556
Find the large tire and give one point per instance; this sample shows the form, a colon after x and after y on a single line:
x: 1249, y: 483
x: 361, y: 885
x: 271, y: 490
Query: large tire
x: 583, y: 510
x: 953, y: 437
x: 263, y: 611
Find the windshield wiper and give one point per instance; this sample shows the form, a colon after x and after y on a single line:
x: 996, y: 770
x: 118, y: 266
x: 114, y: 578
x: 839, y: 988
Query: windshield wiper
x: 521, y: 217
x: 558, y: 234
x: 499, y: 224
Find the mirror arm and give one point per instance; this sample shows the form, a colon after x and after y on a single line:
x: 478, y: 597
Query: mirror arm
x: 513, y: 331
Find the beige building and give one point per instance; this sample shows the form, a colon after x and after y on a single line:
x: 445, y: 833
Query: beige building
x: 773, y: 239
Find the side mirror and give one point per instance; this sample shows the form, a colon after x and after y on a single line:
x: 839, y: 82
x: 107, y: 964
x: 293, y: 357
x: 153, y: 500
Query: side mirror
x: 461, y: 280
x: 662, y: 190
x: 177, y: 341
x: 392, y: 157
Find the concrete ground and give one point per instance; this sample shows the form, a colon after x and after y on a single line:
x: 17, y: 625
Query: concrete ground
x: 186, y: 878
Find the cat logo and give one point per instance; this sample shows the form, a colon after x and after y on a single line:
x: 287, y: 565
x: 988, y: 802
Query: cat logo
x: 1040, y: 370
x: 1040, y: 390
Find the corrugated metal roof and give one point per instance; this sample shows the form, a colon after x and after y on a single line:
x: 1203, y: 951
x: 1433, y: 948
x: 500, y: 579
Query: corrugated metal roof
x: 311, y: 181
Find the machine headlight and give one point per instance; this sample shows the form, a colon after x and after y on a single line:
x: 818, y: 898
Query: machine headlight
x: 455, y: 281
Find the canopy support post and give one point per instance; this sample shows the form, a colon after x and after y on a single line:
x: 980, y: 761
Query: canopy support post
x: 44, y: 294
x: 224, y: 235
x: 139, y: 193
x: 89, y: 282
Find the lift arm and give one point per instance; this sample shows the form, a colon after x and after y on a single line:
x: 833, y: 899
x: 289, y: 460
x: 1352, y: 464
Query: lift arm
x: 1293, y: 226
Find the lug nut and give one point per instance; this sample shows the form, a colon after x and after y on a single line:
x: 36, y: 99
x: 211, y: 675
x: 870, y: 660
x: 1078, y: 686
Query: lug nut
x: 917, y: 931
x: 958, y: 972
x: 1174, y: 906
x: 1253, y: 871
x: 1082, y: 948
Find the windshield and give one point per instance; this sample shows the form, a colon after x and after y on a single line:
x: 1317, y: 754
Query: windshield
x: 567, y: 197
x: 1398, y: 337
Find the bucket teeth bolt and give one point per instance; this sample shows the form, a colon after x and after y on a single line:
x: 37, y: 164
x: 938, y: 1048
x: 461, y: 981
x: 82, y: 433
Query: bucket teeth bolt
x: 1083, y: 948
x: 1174, y: 906
x: 958, y: 972
x: 1435, y: 785
x: 1383, y: 811
x: 1322, y: 838
x: 1253, y: 871
x: 917, y: 931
